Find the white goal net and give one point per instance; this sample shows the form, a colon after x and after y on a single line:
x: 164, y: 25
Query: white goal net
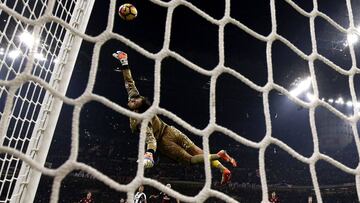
x: 39, y: 44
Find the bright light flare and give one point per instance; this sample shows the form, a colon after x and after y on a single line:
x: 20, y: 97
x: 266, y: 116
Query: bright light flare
x: 27, y: 39
x: 14, y: 54
x: 301, y: 87
x: 56, y: 60
x: 352, y: 38
x: 349, y: 103
x: 39, y: 57
x: 310, y: 97
x: 340, y: 100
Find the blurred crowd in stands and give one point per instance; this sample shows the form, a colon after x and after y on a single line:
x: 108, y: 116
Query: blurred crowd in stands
x: 289, y: 178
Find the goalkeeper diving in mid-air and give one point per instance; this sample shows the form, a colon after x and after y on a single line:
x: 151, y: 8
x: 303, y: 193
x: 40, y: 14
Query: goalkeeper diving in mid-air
x: 162, y: 137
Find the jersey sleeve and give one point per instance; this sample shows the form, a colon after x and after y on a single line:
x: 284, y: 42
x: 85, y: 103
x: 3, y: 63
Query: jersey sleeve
x: 130, y: 84
x: 134, y: 125
x: 150, y: 139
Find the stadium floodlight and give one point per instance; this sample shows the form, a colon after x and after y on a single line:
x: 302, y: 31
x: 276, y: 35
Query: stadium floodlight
x: 301, y: 87
x: 352, y: 38
x: 349, y: 103
x: 340, y: 100
x: 27, y: 39
x: 14, y: 54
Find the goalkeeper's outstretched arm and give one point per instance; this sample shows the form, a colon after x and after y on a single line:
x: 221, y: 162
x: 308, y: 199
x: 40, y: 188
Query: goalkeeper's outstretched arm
x: 136, y: 103
x: 125, y: 69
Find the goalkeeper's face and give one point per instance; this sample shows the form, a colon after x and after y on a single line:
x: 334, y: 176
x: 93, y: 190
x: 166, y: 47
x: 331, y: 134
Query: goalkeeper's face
x: 135, y: 103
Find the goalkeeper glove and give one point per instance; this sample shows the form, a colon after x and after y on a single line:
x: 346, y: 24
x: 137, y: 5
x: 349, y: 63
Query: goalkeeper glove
x: 122, y: 57
x: 148, y: 160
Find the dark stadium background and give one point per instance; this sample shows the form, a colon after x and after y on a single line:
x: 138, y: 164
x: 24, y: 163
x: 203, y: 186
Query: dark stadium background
x: 107, y: 144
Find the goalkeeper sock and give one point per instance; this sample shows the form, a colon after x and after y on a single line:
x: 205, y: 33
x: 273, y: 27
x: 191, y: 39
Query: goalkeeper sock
x: 200, y: 158
x: 217, y: 164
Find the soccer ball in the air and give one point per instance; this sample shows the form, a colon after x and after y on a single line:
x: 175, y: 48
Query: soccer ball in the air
x: 127, y: 11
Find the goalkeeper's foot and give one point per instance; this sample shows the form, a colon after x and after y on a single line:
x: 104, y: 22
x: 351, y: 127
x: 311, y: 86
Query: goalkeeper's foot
x: 226, y: 175
x: 122, y: 57
x: 226, y: 157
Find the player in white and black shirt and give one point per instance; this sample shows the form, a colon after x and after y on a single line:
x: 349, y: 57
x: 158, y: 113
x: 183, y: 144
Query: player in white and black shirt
x: 140, y: 196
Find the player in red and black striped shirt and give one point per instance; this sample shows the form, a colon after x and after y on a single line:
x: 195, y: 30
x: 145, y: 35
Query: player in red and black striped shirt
x: 87, y: 199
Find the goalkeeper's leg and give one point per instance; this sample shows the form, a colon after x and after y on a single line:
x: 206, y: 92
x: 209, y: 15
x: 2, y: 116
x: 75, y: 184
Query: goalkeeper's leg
x: 179, y: 147
x: 181, y: 139
x: 176, y: 152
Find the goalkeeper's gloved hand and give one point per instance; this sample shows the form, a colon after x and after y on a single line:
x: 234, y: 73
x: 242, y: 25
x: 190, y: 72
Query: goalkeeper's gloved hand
x: 148, y: 160
x: 122, y: 57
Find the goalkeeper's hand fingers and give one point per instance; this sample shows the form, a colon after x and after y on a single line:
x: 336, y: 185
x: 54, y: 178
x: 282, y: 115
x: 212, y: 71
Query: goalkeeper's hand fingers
x: 119, y: 53
x: 148, y: 163
x: 148, y: 160
x: 122, y: 57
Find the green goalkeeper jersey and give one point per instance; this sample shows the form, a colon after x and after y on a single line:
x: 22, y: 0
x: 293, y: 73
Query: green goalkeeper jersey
x: 155, y: 127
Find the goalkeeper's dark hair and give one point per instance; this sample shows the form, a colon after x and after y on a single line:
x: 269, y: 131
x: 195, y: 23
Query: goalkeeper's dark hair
x: 145, y: 104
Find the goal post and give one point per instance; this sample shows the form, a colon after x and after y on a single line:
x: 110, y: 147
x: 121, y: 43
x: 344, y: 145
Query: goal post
x: 54, y: 60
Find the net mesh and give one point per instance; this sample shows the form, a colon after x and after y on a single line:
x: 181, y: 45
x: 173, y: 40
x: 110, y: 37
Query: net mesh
x: 24, y: 85
x: 26, y: 103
